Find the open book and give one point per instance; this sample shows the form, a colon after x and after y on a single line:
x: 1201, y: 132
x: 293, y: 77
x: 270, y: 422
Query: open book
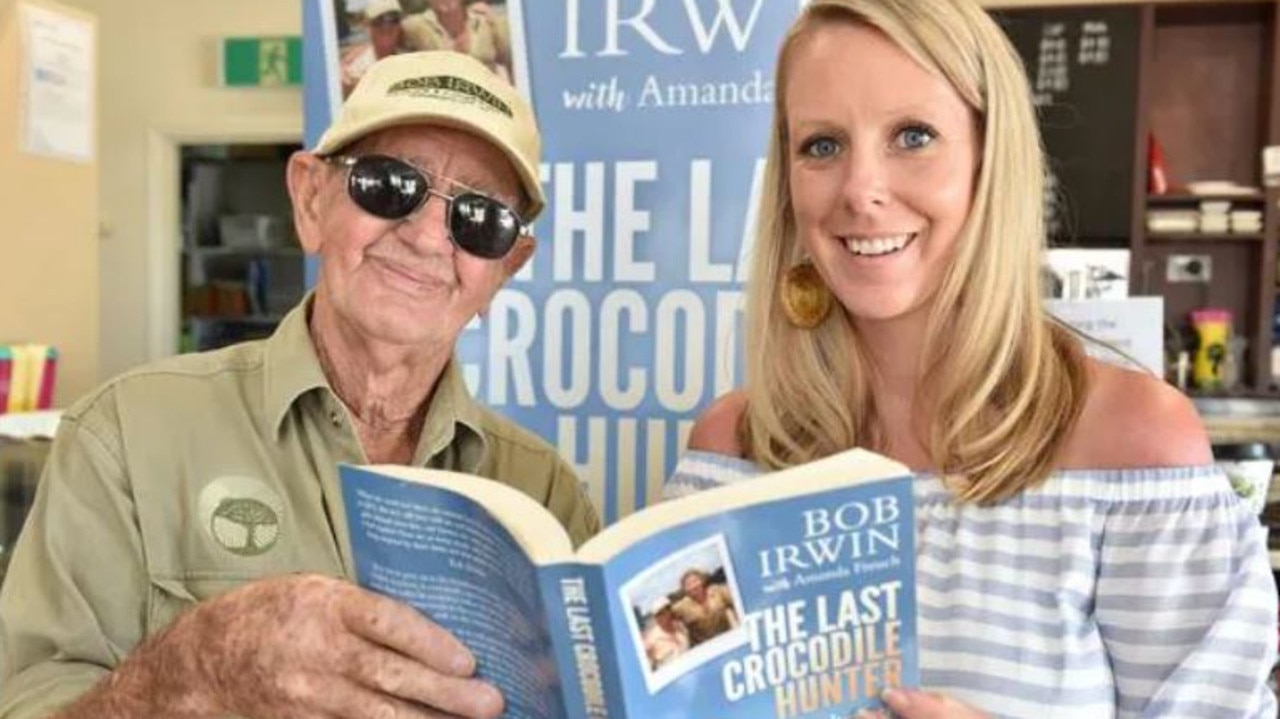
x: 791, y: 595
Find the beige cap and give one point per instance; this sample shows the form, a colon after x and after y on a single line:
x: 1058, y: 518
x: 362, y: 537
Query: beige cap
x: 448, y: 89
x: 376, y: 8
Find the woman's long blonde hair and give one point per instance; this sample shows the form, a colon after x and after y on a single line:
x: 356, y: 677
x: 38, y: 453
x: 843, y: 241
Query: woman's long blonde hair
x: 1002, y: 383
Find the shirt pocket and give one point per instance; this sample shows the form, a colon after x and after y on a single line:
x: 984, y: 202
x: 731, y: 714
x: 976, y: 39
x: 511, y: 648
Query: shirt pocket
x: 170, y: 596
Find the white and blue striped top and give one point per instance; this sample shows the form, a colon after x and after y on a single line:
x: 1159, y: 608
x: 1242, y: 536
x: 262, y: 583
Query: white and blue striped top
x: 1101, y: 593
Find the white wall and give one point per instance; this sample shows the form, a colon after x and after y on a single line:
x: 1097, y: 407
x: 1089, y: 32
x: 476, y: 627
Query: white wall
x: 49, y: 246
x: 159, y: 87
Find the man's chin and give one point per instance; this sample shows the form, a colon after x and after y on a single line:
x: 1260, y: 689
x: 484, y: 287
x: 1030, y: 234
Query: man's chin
x: 409, y: 325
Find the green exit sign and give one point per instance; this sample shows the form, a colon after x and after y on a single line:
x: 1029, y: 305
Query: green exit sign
x: 261, y: 61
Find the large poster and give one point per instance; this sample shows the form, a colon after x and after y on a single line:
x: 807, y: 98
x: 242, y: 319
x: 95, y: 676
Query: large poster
x: 655, y: 121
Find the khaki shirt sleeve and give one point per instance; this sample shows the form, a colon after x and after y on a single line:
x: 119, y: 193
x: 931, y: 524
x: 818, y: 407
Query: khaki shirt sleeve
x: 74, y: 596
x: 570, y: 503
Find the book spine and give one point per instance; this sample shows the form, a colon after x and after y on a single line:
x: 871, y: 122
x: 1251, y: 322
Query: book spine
x: 19, y: 380
x: 31, y: 356
x: 6, y: 376
x: 35, y: 375
x: 49, y: 373
x: 582, y: 638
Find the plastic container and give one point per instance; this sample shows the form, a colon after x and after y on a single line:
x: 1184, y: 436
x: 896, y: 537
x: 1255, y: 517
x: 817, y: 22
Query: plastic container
x: 1250, y: 467
x: 252, y: 231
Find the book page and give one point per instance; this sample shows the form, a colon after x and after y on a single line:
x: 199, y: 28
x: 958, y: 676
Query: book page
x: 537, y: 531
x: 444, y: 554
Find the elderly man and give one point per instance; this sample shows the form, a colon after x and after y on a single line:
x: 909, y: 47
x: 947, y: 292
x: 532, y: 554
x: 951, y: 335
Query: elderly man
x: 131, y: 595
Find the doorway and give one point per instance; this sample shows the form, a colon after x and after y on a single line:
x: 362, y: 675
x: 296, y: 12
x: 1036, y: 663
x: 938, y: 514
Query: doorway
x: 241, y: 268
x: 165, y: 260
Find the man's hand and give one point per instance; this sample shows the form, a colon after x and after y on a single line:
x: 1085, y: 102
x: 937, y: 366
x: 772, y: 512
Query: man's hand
x: 292, y: 647
x: 305, y: 646
x: 917, y: 704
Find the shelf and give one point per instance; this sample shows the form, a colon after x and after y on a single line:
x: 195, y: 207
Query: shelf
x: 1251, y: 393
x: 237, y: 319
x: 1204, y: 237
x: 1186, y: 199
x: 221, y: 251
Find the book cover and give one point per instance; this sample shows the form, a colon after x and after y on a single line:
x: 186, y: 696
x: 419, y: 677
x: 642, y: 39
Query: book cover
x: 6, y: 376
x: 47, y: 359
x: 791, y: 595
x: 20, y: 379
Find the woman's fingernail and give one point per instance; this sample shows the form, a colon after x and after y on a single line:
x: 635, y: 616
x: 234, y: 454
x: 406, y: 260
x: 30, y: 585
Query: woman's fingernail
x: 896, y: 698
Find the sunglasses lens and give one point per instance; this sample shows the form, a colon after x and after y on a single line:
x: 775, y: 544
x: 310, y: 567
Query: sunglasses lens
x: 386, y: 187
x: 483, y: 226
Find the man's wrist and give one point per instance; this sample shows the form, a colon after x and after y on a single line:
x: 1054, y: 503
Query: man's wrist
x: 162, y: 677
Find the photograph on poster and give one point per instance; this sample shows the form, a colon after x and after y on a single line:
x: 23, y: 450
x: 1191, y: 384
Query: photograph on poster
x: 372, y: 29
x: 1086, y: 274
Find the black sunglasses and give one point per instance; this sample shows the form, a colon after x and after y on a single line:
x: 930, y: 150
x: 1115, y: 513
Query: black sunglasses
x: 393, y: 189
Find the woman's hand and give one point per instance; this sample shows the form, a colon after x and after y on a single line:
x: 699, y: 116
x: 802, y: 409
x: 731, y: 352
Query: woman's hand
x: 918, y: 704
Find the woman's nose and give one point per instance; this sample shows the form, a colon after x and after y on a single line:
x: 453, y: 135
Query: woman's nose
x: 866, y: 182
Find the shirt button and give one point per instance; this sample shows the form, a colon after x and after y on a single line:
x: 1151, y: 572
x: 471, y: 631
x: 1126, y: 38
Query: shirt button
x: 335, y: 418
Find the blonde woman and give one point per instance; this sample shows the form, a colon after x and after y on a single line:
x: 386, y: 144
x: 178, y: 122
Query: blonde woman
x: 1079, y: 554
x: 666, y: 638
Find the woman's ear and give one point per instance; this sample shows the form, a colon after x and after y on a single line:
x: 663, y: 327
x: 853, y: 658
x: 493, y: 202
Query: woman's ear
x: 305, y: 175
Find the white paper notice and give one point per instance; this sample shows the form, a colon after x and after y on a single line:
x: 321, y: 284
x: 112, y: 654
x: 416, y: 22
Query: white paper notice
x: 56, y: 103
x: 1134, y: 326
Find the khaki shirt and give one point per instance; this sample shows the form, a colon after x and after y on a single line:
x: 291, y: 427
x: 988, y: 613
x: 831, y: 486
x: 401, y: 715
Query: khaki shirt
x: 129, y: 526
x: 488, y: 36
x: 709, y: 619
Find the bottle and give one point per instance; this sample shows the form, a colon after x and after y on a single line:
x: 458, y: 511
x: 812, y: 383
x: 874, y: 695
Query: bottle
x: 1182, y: 370
x: 1213, y: 331
x: 1157, y: 178
x: 1233, y: 363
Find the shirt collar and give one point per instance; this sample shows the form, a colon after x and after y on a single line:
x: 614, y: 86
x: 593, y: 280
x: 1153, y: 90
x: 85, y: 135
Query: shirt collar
x: 451, y: 405
x: 291, y: 366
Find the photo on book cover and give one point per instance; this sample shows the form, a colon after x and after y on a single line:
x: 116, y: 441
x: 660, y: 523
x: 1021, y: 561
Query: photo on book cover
x: 684, y: 610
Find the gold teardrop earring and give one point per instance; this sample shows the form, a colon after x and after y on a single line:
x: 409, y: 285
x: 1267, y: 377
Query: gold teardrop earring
x: 806, y: 300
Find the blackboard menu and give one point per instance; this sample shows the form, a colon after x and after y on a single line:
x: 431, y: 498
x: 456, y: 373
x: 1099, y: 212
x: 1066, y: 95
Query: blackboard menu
x: 1082, y: 63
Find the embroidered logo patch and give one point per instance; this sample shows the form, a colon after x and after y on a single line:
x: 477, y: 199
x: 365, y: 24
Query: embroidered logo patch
x: 242, y: 515
x: 451, y: 89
